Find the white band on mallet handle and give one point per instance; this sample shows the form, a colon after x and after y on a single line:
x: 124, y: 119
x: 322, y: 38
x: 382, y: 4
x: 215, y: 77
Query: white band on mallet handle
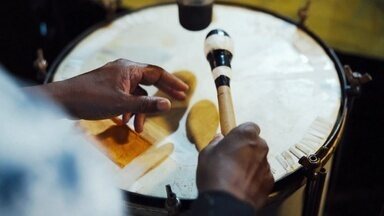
x: 221, y: 71
x: 218, y: 49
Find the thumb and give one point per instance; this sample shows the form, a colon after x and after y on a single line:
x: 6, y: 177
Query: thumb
x: 213, y: 142
x: 216, y: 139
x: 147, y: 104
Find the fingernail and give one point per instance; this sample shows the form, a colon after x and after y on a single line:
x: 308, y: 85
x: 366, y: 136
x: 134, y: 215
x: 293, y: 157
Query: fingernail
x: 182, y: 95
x: 139, y: 130
x: 218, y: 136
x: 186, y: 86
x: 163, y: 105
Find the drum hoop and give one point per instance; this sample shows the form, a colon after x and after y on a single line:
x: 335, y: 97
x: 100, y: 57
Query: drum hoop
x: 284, y: 186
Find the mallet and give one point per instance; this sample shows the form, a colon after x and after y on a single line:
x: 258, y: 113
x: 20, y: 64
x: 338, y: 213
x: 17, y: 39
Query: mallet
x: 218, y: 49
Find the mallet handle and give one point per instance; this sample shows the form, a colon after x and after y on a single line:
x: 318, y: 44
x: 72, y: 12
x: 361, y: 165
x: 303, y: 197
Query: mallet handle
x: 226, y: 111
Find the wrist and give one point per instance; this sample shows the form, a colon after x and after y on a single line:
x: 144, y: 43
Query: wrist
x: 56, y: 91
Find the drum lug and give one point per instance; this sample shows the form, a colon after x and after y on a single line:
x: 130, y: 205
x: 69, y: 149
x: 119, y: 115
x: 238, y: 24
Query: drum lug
x: 311, y: 163
x: 316, y: 175
x: 41, y: 65
x: 172, y: 203
x: 302, y: 13
x: 111, y: 7
x: 314, y: 162
x: 355, y: 80
x: 313, y: 192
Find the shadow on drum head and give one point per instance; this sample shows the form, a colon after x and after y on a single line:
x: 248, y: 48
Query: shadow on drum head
x: 118, y: 142
x: 160, y: 125
x: 202, y: 123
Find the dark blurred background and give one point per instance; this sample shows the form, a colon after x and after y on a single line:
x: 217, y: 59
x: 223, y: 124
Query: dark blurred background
x: 357, y: 181
x: 354, y: 28
x: 27, y: 25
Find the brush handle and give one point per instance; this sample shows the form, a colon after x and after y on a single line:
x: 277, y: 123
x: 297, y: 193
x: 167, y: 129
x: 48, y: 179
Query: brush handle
x: 226, y: 111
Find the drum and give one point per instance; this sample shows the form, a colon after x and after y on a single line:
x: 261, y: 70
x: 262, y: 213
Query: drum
x: 284, y: 78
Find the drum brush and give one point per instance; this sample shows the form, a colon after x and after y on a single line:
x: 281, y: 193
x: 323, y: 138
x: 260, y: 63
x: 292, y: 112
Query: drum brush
x: 218, y: 48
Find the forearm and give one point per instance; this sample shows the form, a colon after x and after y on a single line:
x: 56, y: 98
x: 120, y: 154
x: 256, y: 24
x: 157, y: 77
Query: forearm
x: 214, y: 203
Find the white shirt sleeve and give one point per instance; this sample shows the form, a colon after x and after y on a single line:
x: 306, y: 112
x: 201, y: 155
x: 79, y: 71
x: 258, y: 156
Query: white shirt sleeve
x: 46, y: 166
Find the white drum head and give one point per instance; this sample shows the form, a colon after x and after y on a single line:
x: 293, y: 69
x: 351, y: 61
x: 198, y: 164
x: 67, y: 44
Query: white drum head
x: 282, y: 80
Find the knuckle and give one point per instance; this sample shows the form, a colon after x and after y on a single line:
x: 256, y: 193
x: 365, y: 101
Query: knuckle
x: 117, y: 64
x: 144, y: 105
x: 120, y: 61
x: 263, y: 145
x: 156, y: 68
x: 270, y: 177
x: 270, y: 180
x: 203, y: 154
x: 250, y: 129
x: 137, y: 69
x: 268, y: 170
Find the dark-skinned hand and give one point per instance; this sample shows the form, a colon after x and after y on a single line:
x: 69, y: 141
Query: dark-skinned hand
x: 237, y: 164
x: 114, y: 89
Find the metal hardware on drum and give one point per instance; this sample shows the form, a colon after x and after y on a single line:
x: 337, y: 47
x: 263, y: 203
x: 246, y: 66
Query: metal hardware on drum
x: 172, y: 203
x: 40, y: 64
x: 313, y: 163
x: 316, y: 175
x: 355, y: 80
x: 303, y: 13
x: 111, y: 7
x: 315, y: 185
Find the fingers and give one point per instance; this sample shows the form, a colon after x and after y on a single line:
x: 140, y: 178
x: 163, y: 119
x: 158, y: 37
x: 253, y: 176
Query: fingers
x: 139, y: 122
x: 258, y: 177
x: 213, y: 143
x: 154, y: 75
x: 170, y: 84
x: 179, y: 95
x: 216, y: 139
x: 249, y: 129
x: 246, y: 130
x: 265, y: 180
x: 139, y: 117
x: 146, y: 104
x: 246, y: 134
x: 126, y: 117
x: 269, y: 179
x: 139, y: 73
